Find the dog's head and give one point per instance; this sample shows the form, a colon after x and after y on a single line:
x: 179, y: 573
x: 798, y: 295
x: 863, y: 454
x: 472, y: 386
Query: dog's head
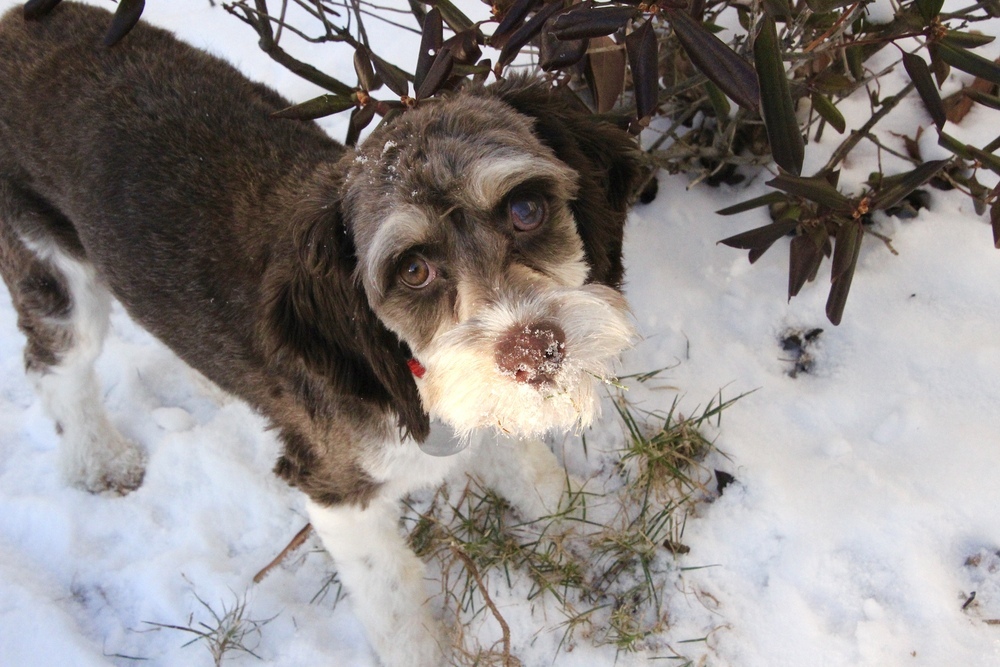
x: 485, y: 232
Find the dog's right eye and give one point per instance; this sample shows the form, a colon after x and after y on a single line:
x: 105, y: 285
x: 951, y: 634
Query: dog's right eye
x: 416, y: 272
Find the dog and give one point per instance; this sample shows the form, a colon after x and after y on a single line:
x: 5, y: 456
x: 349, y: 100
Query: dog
x: 463, y: 266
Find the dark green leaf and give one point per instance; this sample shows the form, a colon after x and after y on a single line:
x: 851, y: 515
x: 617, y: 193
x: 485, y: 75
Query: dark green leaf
x: 483, y: 68
x: 437, y: 75
x: 991, y: 101
x: 360, y: 119
x: 363, y: 68
x: 750, y: 204
x: 430, y: 45
x: 968, y: 40
x: 990, y: 161
x: 829, y: 112
x: 464, y: 47
x: 845, y: 260
x: 511, y: 21
x: 960, y: 149
x: 723, y: 67
x: 894, y: 188
x: 804, y: 257
x: 324, y: 105
x: 824, y: 6
x: 831, y: 82
x: 480, y: 69
x: 36, y: 9
x: 777, y: 108
x: 720, y: 103
x: 777, y: 8
x: 920, y: 74
x: 525, y: 34
x: 556, y: 54
x: 125, y: 18
x: 939, y: 67
x: 855, y: 61
x: 929, y: 9
x: 814, y: 188
x: 761, y: 238
x: 640, y: 45
x: 969, y: 62
x: 394, y: 77
x: 452, y: 15
x: 588, y: 21
x: 995, y: 222
x: 969, y: 152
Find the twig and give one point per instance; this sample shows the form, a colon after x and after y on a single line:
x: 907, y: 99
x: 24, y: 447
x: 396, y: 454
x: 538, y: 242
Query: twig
x: 504, y: 628
x: 297, y: 541
x: 260, y: 21
x: 887, y: 105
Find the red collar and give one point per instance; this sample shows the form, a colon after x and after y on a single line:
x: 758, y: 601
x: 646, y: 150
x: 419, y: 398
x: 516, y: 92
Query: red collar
x: 416, y: 368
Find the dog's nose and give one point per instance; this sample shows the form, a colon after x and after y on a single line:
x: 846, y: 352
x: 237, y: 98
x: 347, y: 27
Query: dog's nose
x: 531, y: 354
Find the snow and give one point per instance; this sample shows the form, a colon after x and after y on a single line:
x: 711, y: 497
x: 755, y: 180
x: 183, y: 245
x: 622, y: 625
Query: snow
x: 865, y: 514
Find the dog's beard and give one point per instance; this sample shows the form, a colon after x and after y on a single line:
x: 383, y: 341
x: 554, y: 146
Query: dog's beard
x: 465, y: 388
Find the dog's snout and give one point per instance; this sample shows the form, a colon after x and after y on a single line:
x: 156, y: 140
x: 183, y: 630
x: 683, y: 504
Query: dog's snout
x: 531, y: 354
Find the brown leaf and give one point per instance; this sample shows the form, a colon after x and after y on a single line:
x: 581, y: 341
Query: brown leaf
x: 959, y: 104
x: 605, y: 72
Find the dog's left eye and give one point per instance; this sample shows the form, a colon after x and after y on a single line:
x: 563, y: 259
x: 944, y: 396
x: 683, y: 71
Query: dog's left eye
x: 416, y: 272
x: 526, y: 213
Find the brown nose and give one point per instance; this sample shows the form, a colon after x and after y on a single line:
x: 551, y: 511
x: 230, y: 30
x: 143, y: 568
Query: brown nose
x: 531, y: 354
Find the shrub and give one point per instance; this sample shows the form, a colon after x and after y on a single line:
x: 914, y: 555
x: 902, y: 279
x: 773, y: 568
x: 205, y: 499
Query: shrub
x: 664, y: 63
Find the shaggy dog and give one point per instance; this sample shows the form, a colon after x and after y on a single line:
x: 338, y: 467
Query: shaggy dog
x: 462, y: 266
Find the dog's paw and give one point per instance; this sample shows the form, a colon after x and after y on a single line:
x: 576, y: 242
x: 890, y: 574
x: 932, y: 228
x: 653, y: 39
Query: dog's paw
x: 103, y: 462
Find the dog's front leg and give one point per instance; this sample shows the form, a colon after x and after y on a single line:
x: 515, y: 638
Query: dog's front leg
x: 385, y: 580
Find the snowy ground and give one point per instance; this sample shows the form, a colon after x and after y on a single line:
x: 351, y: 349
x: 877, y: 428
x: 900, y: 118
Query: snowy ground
x: 866, y: 513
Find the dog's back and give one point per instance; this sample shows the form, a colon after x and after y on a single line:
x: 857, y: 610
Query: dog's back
x: 154, y: 161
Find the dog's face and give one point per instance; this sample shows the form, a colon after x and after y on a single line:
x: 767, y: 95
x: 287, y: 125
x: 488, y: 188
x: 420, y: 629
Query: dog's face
x: 493, y: 252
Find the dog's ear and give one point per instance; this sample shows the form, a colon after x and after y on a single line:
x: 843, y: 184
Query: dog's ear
x: 605, y: 157
x: 318, y: 312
